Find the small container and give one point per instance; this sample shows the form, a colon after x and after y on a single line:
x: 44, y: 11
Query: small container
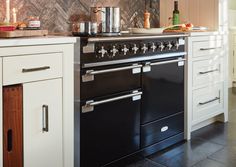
x: 94, y: 28
x: 81, y: 29
x: 34, y: 23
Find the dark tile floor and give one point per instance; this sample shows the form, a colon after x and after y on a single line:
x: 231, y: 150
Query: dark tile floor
x: 212, y: 146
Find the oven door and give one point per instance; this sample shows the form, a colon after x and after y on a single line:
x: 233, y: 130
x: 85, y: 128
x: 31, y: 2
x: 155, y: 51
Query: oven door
x: 110, y: 128
x: 163, y: 89
x: 101, y: 81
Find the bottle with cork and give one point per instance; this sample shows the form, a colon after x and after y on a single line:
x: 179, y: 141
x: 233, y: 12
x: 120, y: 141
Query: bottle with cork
x: 176, y: 14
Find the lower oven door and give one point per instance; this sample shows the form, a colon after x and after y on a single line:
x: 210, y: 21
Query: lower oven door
x: 101, y: 81
x: 110, y: 128
x: 163, y: 89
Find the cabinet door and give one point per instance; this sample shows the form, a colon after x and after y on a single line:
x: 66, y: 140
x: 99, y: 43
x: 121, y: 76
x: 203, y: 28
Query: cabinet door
x: 43, y: 124
x: 234, y: 63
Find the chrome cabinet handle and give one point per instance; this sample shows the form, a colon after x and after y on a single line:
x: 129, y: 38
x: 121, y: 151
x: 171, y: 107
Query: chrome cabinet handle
x: 210, y: 101
x: 89, y: 76
x: 45, y: 118
x: 89, y: 106
x: 25, y: 70
x: 210, y: 71
x: 204, y: 49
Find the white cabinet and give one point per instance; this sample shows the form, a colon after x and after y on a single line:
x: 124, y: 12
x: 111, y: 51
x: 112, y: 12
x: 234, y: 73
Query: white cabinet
x: 43, y: 125
x: 1, y: 116
x: 207, y: 90
x: 46, y: 73
x: 232, y: 68
x: 21, y: 69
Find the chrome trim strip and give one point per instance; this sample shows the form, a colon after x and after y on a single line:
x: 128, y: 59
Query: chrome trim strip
x: 131, y: 60
x: 106, y: 39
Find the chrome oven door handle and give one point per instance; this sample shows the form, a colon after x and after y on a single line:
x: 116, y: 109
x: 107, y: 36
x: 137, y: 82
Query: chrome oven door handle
x: 147, y: 66
x: 89, y: 76
x: 168, y: 62
x: 89, y: 106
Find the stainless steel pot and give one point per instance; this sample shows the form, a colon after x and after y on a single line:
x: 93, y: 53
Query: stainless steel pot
x: 108, y: 19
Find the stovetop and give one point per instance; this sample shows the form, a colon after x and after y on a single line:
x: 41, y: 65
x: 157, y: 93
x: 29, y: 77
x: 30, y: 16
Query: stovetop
x: 99, y: 49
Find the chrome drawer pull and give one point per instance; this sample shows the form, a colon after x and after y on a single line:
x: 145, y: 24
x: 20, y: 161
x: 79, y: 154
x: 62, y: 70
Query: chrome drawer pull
x: 210, y: 101
x: 89, y: 76
x: 204, y: 49
x: 210, y: 71
x: 25, y: 70
x: 45, y: 119
x: 89, y: 106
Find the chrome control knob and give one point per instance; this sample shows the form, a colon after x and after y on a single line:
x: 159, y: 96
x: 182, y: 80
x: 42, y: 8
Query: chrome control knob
x: 162, y: 47
x: 114, y: 51
x: 177, y: 45
x: 169, y: 46
x: 102, y: 51
x: 144, y: 48
x: 135, y: 48
x: 153, y: 47
x: 125, y: 50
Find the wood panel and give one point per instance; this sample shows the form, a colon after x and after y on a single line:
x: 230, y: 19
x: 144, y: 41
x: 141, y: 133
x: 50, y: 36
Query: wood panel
x: 13, y: 126
x: 23, y: 33
x: 1, y: 114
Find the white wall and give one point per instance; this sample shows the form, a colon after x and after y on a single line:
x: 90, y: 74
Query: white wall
x: 232, y: 4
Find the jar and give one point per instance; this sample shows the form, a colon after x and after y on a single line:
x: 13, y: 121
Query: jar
x: 34, y: 23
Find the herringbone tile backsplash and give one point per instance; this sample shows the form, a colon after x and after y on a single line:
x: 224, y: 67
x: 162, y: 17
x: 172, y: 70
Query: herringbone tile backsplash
x: 56, y: 15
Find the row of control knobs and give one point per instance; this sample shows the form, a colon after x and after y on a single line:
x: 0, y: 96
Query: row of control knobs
x: 143, y: 49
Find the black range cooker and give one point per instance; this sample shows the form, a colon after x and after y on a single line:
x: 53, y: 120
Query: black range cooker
x: 129, y: 96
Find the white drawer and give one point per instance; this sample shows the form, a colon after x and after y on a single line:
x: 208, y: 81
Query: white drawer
x: 206, y: 48
x: 21, y: 69
x: 207, y: 102
x: 208, y: 71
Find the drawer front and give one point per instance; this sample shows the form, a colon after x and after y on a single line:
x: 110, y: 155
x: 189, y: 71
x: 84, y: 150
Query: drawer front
x: 207, y: 102
x: 207, y: 71
x: 206, y: 48
x: 160, y: 130
x: 21, y: 69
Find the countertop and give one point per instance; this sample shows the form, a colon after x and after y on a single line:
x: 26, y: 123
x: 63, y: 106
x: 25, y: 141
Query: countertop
x: 47, y: 40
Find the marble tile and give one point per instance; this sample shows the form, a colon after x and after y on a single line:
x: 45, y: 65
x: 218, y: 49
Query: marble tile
x: 145, y: 163
x: 55, y: 14
x: 187, y: 154
x: 209, y: 163
x: 226, y: 156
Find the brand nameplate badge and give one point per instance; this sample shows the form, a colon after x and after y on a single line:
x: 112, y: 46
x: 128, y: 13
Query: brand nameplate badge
x: 164, y: 129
